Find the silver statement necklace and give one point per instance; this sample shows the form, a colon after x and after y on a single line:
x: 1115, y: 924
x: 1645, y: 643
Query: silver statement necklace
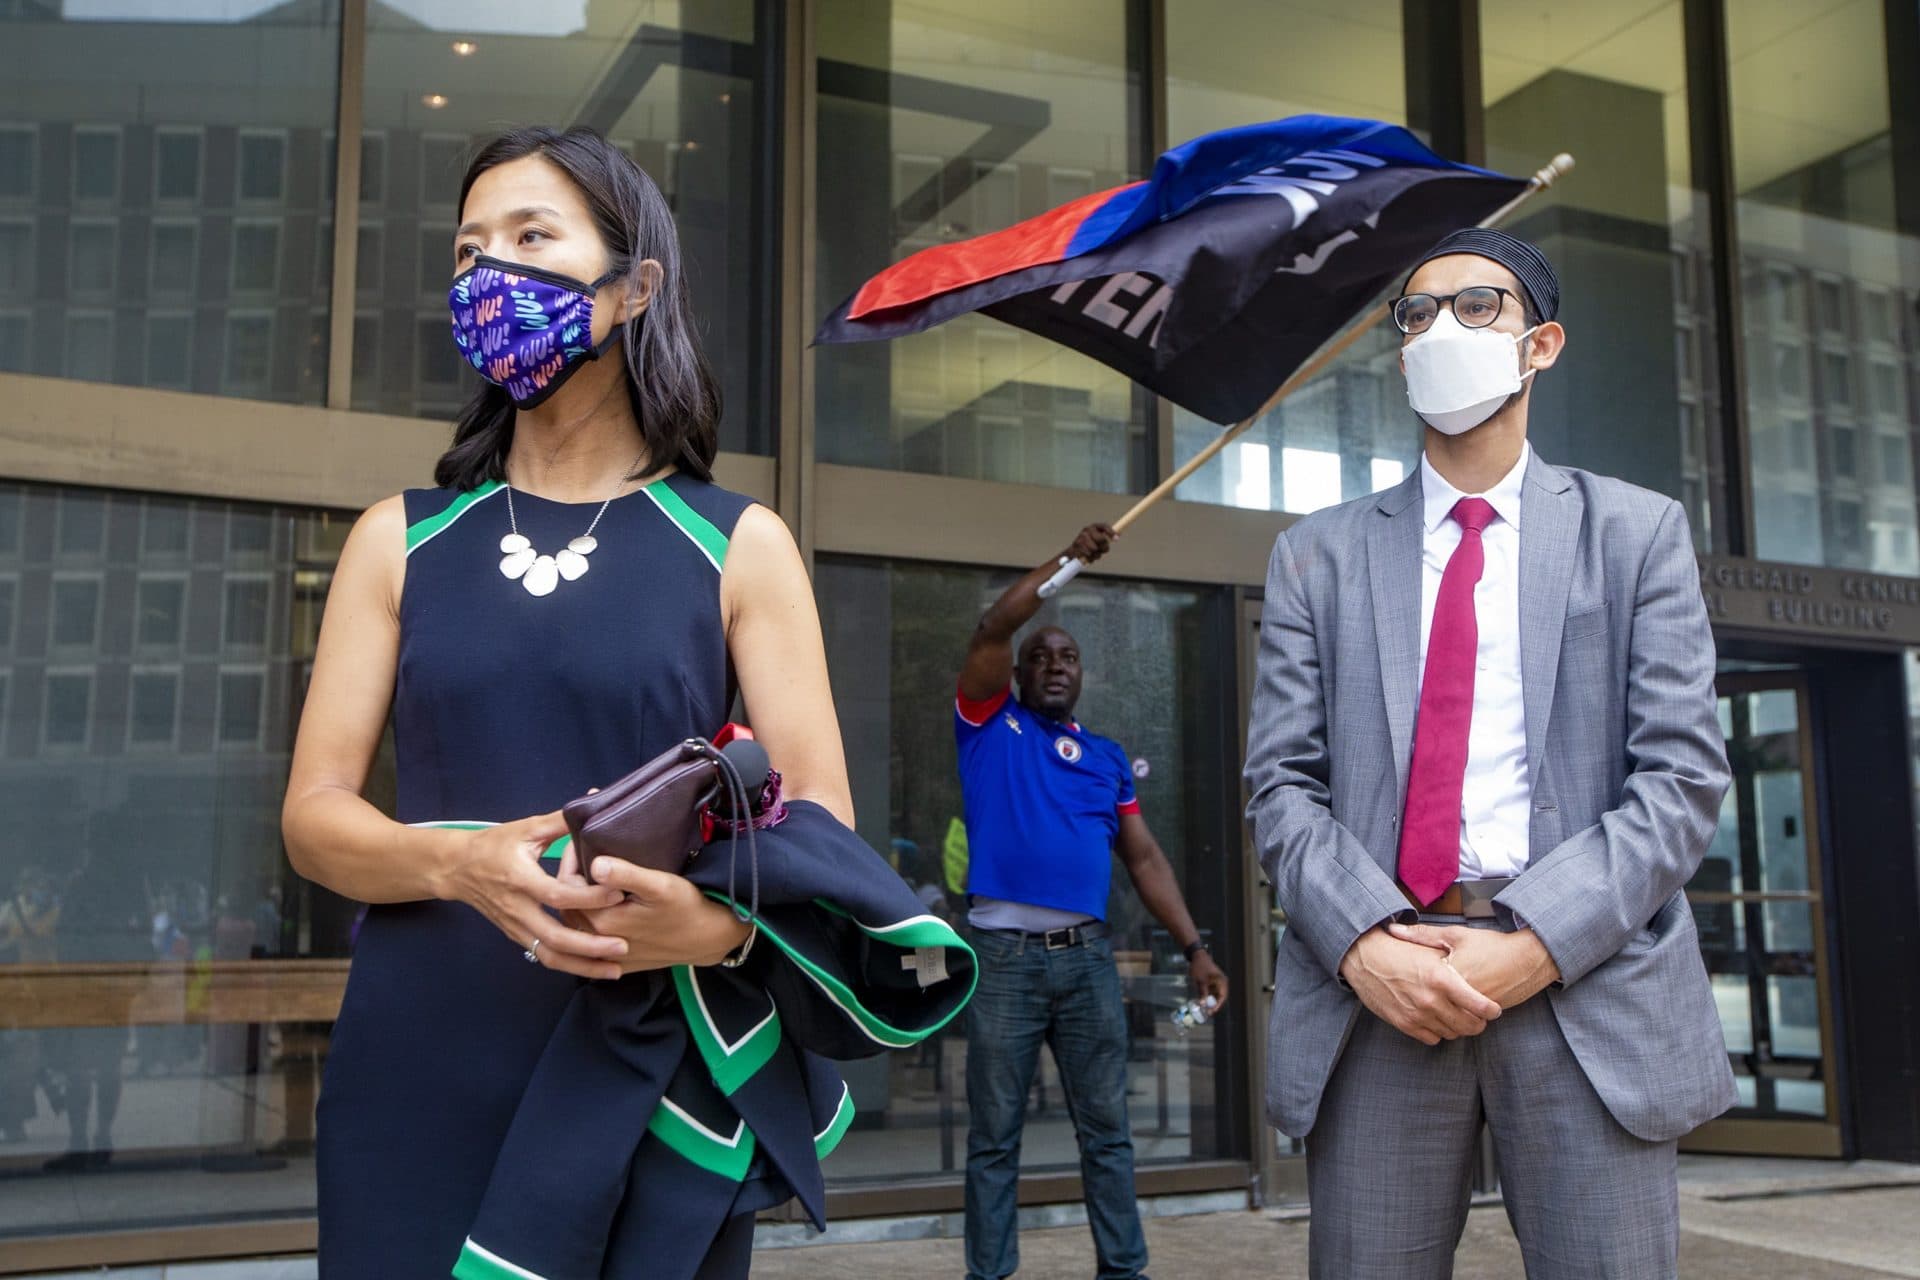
x: 538, y: 573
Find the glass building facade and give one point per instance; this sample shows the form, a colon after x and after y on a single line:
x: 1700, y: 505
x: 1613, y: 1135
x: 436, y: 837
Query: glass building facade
x: 223, y: 332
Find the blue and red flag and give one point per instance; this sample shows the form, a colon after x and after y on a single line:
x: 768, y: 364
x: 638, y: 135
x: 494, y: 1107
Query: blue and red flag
x: 1217, y: 277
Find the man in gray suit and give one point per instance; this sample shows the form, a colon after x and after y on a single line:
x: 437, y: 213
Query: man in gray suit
x: 1484, y: 761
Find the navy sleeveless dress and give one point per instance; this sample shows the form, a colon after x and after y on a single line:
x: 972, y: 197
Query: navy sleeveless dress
x: 506, y: 705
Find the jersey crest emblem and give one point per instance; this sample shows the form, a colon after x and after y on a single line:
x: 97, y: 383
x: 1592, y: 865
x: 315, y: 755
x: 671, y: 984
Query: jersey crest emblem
x: 1067, y: 749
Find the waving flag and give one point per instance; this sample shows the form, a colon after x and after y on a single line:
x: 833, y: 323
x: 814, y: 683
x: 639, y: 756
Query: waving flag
x: 1215, y: 278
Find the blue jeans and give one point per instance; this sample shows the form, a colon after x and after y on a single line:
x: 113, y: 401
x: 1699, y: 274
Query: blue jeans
x: 1069, y: 998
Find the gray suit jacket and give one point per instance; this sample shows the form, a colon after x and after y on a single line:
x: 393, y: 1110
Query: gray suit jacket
x: 1624, y: 753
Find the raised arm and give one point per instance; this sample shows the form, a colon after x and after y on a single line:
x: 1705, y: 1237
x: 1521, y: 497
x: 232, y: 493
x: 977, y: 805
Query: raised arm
x: 989, y: 663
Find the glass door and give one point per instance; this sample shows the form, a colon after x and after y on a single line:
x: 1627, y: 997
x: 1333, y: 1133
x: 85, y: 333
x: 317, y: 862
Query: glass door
x: 1757, y: 902
x: 1279, y: 1168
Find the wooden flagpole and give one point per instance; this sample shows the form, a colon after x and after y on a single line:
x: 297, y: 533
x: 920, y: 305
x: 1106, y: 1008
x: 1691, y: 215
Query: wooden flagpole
x: 1071, y: 568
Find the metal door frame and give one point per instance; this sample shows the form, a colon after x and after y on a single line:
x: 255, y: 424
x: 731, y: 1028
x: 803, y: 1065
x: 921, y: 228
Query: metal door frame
x: 1779, y: 1136
x: 1279, y: 1170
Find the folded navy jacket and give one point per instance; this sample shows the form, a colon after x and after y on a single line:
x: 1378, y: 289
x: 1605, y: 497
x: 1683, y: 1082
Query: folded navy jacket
x: 628, y: 1152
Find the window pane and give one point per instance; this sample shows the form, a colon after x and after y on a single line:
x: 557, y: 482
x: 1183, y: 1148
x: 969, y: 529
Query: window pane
x: 12, y: 507
x: 1342, y: 434
x: 263, y: 163
x: 76, y: 613
x: 69, y: 705
x: 16, y: 258
x: 96, y: 164
x: 373, y: 168
x: 1630, y: 240
x: 1894, y: 459
x: 256, y: 257
x: 17, y: 162
x: 91, y: 265
x: 366, y: 350
x: 89, y: 347
x: 82, y: 528
x: 176, y: 165
x: 155, y: 707
x: 1814, y: 172
x: 152, y: 792
x: 15, y: 356
x: 368, y: 268
x: 175, y: 255
x: 161, y: 606
x: 439, y: 366
x: 164, y: 525
x: 249, y: 354
x: 675, y: 86
x: 894, y: 632
x: 133, y: 134
x: 246, y: 623
x: 249, y: 532
x: 935, y: 126
x: 433, y: 258
x: 170, y: 350
x: 241, y: 695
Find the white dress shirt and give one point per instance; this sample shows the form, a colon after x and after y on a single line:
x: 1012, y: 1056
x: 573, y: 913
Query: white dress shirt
x: 1497, y: 799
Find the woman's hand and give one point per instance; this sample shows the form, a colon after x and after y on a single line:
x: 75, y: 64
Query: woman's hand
x: 501, y: 879
x: 664, y: 920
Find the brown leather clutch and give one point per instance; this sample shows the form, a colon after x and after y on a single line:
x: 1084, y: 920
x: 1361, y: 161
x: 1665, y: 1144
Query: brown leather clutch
x: 653, y: 817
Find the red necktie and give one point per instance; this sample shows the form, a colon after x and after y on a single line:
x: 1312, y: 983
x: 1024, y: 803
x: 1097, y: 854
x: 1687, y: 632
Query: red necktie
x: 1430, y: 832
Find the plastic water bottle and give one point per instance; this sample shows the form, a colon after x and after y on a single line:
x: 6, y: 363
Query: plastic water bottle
x: 1193, y: 1013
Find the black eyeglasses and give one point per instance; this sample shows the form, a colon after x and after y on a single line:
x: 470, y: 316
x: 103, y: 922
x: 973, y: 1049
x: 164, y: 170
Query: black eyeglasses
x: 1475, y: 308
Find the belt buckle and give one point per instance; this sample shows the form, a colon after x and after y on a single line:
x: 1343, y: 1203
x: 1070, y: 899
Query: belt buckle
x: 1476, y: 897
x: 1065, y: 938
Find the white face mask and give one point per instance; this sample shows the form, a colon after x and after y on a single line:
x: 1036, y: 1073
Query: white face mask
x: 1458, y: 377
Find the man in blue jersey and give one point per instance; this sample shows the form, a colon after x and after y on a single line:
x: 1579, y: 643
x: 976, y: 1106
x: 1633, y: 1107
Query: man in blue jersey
x: 1047, y: 804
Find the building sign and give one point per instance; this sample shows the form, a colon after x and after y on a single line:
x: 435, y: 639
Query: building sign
x: 1809, y: 602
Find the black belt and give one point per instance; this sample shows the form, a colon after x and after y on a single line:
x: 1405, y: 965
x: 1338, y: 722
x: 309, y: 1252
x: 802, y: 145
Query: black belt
x: 1057, y: 939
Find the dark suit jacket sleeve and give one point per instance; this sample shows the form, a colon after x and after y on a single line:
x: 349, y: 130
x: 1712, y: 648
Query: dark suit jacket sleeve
x: 1587, y: 897
x: 1329, y: 885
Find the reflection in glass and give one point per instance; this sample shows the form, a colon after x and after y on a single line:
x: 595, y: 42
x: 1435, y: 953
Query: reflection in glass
x: 1829, y: 285
x: 1913, y: 716
x: 1635, y: 395
x: 1756, y: 905
x: 152, y: 1072
x: 1349, y: 431
x: 937, y: 123
x: 674, y: 85
x: 1793, y: 1009
x: 152, y: 169
x: 1730, y: 996
x: 895, y: 636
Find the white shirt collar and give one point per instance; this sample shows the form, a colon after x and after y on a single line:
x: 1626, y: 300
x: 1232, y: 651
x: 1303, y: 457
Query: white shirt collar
x: 1438, y: 497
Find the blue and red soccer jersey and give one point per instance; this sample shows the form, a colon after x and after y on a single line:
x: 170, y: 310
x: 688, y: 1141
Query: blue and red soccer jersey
x: 1043, y: 803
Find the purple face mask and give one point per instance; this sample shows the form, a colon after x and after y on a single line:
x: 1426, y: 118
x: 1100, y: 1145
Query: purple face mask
x: 525, y: 329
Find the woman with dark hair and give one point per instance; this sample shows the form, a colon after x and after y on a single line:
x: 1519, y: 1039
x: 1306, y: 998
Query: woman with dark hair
x: 532, y: 1074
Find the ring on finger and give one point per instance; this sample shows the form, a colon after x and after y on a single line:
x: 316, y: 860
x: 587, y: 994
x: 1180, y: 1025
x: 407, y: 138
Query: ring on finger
x: 532, y: 953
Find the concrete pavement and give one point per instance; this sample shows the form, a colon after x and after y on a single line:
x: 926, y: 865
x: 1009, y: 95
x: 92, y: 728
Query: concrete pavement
x: 1740, y: 1220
